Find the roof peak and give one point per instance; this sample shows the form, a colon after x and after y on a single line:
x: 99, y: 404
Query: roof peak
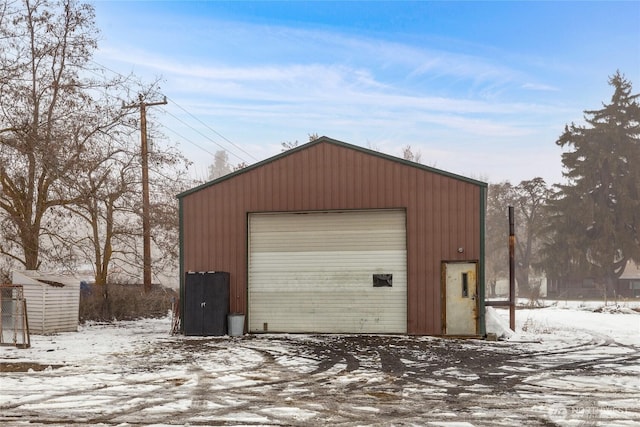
x: 328, y: 140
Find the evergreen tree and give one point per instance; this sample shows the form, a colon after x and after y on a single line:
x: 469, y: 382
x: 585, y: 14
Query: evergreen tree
x: 596, y: 214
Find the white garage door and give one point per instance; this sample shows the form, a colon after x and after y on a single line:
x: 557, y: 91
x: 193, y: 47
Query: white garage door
x: 328, y: 272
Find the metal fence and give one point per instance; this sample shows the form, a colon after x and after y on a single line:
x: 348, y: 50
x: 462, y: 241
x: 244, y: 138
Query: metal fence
x: 14, y: 325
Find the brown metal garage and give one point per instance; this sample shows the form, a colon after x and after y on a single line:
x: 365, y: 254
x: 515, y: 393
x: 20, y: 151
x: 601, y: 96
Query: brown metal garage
x: 293, y: 202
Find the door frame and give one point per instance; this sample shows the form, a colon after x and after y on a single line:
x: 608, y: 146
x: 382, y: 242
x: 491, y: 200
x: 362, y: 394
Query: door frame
x: 443, y: 293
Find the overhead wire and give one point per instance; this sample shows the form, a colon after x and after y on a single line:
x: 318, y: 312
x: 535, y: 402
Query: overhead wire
x: 213, y: 130
x: 199, y: 132
x: 173, y: 102
x: 196, y: 130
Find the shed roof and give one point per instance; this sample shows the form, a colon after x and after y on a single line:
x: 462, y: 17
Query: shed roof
x: 33, y: 277
x: 327, y: 140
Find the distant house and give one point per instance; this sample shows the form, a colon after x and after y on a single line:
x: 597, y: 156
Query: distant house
x: 627, y: 286
x: 331, y: 237
x: 629, y: 281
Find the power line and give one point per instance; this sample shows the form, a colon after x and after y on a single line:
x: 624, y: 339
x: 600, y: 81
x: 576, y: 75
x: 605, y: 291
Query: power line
x: 191, y: 127
x: 202, y: 134
x: 213, y: 130
x: 187, y: 139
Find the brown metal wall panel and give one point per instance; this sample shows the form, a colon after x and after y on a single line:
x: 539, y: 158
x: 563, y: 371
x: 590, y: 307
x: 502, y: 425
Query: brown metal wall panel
x: 443, y: 213
x: 428, y: 253
x: 416, y: 226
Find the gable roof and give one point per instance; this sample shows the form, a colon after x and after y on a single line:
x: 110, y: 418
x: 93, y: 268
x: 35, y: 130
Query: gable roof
x: 631, y: 271
x: 327, y: 140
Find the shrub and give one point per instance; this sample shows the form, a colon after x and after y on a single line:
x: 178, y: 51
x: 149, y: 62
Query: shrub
x: 106, y: 303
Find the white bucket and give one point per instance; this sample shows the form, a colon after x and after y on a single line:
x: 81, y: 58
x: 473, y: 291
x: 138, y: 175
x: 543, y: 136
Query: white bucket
x: 236, y: 325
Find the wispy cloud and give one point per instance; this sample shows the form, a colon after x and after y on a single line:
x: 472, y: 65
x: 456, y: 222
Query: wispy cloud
x: 540, y: 87
x: 310, y: 83
x: 352, y: 87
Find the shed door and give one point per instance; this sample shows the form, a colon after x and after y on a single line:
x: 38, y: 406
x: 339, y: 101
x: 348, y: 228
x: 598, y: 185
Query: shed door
x: 461, y: 298
x: 328, y: 272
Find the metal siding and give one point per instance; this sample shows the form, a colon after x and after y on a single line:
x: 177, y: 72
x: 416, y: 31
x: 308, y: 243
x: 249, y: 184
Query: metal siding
x: 444, y: 203
x: 362, y: 182
x: 416, y: 253
x: 312, y: 272
x: 52, y: 309
x: 304, y: 179
x: 414, y: 263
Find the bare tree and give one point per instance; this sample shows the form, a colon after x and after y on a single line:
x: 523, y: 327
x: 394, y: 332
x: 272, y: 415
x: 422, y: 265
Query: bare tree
x: 497, y: 233
x: 105, y: 207
x: 167, y: 175
x: 240, y: 165
x: 51, y: 113
x: 529, y: 199
x: 373, y: 147
x: 409, y: 154
x: 109, y: 207
x: 288, y: 145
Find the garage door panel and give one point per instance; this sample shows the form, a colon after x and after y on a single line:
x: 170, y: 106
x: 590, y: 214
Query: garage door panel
x: 314, y: 272
x: 327, y: 285
x: 329, y: 240
x: 322, y: 221
x: 316, y: 281
x: 371, y: 261
x: 308, y: 313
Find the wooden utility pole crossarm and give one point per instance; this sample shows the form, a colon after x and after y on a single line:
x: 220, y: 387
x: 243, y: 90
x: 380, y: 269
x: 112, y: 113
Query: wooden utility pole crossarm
x: 144, y: 152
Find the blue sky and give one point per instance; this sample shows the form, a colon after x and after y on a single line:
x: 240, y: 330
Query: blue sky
x: 482, y: 89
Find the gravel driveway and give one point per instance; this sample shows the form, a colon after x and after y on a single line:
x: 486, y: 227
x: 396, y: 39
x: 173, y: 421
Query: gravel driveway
x: 582, y: 379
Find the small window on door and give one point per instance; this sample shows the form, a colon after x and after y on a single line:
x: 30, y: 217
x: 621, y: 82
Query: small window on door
x: 465, y: 285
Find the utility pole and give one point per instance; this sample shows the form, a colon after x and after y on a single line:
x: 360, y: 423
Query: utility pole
x: 512, y: 270
x: 144, y: 152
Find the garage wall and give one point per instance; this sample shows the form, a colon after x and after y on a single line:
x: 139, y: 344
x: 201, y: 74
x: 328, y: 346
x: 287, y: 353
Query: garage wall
x: 313, y: 272
x: 443, y: 213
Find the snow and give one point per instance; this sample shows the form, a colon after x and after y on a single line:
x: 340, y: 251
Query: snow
x: 569, y: 363
x: 496, y: 324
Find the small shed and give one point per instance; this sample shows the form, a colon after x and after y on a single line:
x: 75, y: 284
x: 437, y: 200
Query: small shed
x: 53, y: 302
x: 330, y: 237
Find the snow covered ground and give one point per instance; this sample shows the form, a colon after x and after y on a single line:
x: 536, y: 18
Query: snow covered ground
x: 566, y: 365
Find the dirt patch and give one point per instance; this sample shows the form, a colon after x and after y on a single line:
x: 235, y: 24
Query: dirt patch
x: 25, y: 367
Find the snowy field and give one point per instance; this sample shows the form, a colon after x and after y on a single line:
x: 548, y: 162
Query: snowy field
x: 567, y: 365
